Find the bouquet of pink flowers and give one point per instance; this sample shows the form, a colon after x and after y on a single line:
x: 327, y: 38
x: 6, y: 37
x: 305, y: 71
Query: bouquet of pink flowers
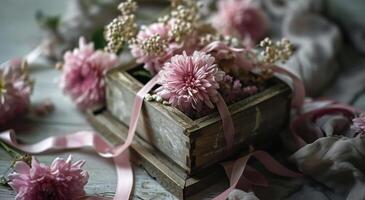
x: 197, y: 60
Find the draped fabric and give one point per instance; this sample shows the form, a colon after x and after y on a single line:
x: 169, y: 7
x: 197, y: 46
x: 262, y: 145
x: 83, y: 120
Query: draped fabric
x: 333, y: 153
x: 317, y: 40
x: 330, y: 154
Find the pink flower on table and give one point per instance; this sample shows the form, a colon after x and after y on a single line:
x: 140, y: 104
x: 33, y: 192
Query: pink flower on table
x: 154, y: 62
x: 15, y: 90
x: 190, y: 83
x: 63, y: 180
x: 358, y: 124
x: 241, y: 18
x: 83, y: 74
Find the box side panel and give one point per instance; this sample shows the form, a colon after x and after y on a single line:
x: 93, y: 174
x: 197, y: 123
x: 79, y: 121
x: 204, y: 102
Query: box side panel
x: 258, y: 123
x: 161, y: 132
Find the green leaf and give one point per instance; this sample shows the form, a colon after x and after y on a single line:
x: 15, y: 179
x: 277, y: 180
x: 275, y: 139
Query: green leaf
x: 142, y: 74
x: 98, y: 39
x: 48, y: 22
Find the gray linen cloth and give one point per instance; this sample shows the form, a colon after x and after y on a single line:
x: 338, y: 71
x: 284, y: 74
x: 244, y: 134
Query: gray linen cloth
x: 317, y: 40
x: 336, y: 162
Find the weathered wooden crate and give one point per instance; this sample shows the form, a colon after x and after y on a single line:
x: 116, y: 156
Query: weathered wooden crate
x: 197, y: 144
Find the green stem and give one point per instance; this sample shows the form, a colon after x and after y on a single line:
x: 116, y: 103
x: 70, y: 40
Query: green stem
x: 13, y: 153
x: 4, y: 181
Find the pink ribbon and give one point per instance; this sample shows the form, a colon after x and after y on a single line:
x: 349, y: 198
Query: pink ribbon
x: 88, y: 139
x: 227, y: 123
x: 298, y: 86
x: 80, y: 140
x: 312, y: 116
x: 136, y: 110
x: 218, y: 45
x: 235, y: 171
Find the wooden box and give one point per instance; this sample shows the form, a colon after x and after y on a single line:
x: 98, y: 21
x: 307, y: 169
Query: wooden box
x: 197, y: 144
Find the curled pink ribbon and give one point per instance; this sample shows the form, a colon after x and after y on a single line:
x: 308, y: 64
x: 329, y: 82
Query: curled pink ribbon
x: 89, y: 139
x: 331, y: 107
x: 298, y: 86
x: 220, y: 45
x: 80, y: 140
x: 235, y: 170
x: 136, y: 110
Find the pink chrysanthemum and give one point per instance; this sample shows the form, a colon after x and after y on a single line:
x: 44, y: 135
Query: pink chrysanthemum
x: 190, y: 82
x: 154, y: 62
x: 83, y: 74
x: 241, y: 18
x: 63, y: 180
x: 15, y: 91
x: 358, y: 124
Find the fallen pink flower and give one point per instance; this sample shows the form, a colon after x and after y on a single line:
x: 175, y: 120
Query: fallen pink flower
x: 83, y: 74
x: 63, y: 180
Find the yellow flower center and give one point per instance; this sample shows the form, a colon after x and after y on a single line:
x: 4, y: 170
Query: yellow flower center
x: 2, y: 89
x: 2, y: 84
